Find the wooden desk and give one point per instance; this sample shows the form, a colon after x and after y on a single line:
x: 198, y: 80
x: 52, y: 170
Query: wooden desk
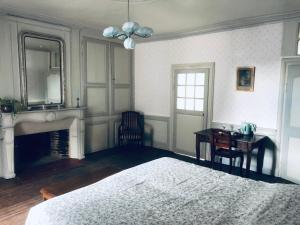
x: 244, y: 143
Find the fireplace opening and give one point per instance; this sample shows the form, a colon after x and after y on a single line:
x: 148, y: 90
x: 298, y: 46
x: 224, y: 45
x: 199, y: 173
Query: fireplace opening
x: 41, y: 148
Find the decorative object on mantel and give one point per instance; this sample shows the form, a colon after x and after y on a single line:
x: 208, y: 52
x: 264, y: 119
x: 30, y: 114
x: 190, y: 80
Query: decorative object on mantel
x: 78, y: 105
x: 129, y: 29
x: 248, y: 128
x: 10, y: 105
x: 245, y: 78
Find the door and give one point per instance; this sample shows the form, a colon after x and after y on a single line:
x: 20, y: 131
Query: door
x: 121, y: 86
x: 190, y: 108
x: 121, y: 79
x: 108, y: 91
x: 97, y: 94
x: 291, y: 124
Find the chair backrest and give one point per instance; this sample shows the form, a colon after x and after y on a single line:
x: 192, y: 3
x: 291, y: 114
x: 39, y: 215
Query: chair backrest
x: 131, y: 119
x: 222, y: 139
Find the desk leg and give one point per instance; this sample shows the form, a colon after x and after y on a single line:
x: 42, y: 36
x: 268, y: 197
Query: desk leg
x: 260, y: 158
x: 197, y: 148
x: 248, y: 163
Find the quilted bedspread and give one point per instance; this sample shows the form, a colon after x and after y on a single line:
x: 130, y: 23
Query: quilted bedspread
x: 170, y: 191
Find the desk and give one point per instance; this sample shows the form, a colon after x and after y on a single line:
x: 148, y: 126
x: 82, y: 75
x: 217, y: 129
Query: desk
x: 244, y: 143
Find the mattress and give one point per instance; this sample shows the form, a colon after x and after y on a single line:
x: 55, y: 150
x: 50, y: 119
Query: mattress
x: 170, y: 191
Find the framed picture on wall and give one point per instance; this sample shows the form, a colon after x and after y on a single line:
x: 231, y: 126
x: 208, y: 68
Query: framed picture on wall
x: 245, y: 78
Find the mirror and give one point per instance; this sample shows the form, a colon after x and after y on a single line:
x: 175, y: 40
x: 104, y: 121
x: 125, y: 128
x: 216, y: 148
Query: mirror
x: 42, y: 70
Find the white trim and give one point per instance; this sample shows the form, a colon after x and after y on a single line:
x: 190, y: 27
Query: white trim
x: 227, y: 25
x: 281, y: 108
x: 17, y: 14
x: 166, y: 119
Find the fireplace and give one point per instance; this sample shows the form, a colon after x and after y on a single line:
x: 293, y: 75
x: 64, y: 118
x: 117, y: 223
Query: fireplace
x: 68, y: 122
x: 41, y: 148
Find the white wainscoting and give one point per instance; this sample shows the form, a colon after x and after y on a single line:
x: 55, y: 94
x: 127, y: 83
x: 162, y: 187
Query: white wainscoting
x: 97, y: 136
x: 115, y: 125
x: 157, y: 131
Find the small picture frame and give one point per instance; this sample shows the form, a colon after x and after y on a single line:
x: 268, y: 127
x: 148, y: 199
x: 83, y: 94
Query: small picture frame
x: 245, y: 79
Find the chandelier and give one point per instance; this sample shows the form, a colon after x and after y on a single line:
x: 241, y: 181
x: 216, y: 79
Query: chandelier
x: 129, y: 30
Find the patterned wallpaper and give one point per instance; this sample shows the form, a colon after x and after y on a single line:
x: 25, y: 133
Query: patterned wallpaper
x: 258, y: 46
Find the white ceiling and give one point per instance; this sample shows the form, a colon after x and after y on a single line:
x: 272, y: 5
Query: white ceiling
x: 164, y: 16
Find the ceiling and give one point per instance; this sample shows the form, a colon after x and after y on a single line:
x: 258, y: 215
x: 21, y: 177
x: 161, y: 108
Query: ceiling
x: 164, y: 16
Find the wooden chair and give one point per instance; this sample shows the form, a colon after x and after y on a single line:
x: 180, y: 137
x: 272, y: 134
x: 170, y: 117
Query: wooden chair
x: 131, y: 130
x: 222, y: 142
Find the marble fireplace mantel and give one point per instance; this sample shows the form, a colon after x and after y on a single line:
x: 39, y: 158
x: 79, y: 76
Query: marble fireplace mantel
x: 31, y: 122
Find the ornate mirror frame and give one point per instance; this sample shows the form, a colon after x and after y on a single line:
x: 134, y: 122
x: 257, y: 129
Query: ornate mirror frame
x: 23, y: 72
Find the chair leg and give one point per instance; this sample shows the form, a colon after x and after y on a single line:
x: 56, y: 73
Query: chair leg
x: 212, y: 156
x: 220, y: 163
x: 230, y: 167
x: 241, y: 165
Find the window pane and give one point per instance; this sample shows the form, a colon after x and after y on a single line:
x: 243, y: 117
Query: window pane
x: 181, y: 79
x: 199, y: 92
x: 189, y: 104
x: 200, y: 78
x: 298, y: 48
x: 190, y: 91
x: 199, y: 104
x: 180, y: 103
x: 181, y: 91
x: 190, y: 80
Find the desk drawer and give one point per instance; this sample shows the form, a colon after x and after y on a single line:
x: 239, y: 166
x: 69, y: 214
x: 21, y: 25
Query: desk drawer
x: 242, y: 145
x: 204, y: 138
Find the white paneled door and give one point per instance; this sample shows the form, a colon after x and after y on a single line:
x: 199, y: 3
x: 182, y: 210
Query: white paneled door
x: 190, y: 107
x: 108, y: 92
x: 291, y: 125
x: 121, y: 79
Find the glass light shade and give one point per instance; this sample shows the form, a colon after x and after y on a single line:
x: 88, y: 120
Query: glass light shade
x: 130, y: 27
x: 129, y: 43
x: 110, y: 32
x: 144, y: 32
x: 122, y: 35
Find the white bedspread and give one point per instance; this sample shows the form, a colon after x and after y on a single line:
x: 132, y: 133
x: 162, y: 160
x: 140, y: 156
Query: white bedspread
x: 169, y: 191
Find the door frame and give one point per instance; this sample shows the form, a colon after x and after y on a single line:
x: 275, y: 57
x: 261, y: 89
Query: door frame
x: 210, y: 66
x: 286, y: 61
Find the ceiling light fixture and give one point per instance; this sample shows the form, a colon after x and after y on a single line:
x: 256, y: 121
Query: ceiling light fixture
x: 129, y: 30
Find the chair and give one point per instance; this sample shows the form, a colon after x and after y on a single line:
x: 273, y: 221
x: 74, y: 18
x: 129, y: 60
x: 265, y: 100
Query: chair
x: 131, y: 129
x: 222, y: 142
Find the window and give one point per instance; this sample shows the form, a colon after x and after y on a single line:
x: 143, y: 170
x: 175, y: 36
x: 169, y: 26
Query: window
x: 190, y: 91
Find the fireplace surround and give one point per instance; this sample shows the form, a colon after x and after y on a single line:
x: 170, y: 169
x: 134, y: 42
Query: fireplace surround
x: 32, y: 122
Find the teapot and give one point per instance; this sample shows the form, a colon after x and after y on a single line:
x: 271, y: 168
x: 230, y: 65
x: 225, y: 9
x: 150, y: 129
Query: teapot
x: 247, y: 128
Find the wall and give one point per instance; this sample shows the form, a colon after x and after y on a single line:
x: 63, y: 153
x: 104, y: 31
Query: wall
x: 256, y: 46
x: 290, y: 38
x: 9, y: 56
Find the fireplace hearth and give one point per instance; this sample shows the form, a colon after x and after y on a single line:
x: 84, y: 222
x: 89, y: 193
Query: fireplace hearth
x: 41, y: 148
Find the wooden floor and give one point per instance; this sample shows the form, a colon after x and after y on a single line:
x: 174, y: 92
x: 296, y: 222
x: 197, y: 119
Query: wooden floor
x: 19, y: 194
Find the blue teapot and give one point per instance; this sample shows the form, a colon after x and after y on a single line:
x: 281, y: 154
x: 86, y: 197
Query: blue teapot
x: 247, y: 128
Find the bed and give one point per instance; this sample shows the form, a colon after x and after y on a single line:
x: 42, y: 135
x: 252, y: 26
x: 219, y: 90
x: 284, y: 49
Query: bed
x: 170, y: 191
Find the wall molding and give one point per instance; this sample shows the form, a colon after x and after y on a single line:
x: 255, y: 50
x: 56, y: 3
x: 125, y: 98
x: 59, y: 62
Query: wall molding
x: 226, y: 25
x: 217, y: 27
x: 89, y: 149
x: 165, y: 119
